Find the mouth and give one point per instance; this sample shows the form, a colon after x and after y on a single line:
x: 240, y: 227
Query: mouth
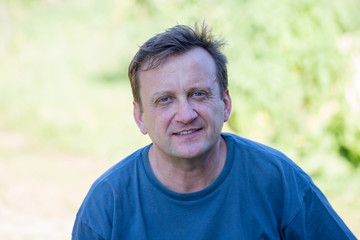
x: 187, y: 132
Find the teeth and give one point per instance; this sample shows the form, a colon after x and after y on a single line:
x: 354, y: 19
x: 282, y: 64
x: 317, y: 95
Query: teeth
x: 185, y: 132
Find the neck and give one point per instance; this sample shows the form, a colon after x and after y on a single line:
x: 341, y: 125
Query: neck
x: 189, y: 175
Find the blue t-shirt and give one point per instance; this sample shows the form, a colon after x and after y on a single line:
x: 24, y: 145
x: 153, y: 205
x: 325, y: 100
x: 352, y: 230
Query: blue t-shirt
x: 260, y: 194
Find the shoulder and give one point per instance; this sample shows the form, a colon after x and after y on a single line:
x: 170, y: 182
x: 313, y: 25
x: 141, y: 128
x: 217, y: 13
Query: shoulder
x: 120, y: 175
x: 261, y: 157
x: 270, y: 175
x: 252, y: 147
x: 272, y: 179
x: 121, y: 170
x: 267, y: 168
x: 110, y: 189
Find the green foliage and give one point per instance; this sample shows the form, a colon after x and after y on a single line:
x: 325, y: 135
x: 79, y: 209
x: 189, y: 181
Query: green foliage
x: 346, y: 132
x: 288, y: 77
x: 286, y: 70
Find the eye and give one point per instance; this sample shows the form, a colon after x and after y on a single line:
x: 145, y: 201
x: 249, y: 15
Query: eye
x: 164, y: 99
x: 201, y: 94
x: 198, y: 94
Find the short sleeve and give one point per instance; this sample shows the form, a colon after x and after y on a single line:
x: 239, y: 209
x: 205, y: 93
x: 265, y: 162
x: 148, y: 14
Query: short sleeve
x: 94, y: 218
x: 317, y: 220
x: 83, y: 232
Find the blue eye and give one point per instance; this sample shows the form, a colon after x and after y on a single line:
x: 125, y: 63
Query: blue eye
x: 198, y: 94
x: 164, y: 99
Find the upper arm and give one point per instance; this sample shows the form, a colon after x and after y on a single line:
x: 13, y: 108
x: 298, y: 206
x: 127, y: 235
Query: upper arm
x: 316, y: 219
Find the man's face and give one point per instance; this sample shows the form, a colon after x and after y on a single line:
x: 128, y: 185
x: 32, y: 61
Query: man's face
x: 182, y: 110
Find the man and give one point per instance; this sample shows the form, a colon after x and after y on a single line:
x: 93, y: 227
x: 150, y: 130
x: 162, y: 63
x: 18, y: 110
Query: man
x: 194, y: 182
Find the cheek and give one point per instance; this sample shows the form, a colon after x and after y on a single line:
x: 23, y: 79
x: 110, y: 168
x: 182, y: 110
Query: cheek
x: 158, y: 120
x: 217, y: 115
x: 165, y: 119
x: 215, y: 110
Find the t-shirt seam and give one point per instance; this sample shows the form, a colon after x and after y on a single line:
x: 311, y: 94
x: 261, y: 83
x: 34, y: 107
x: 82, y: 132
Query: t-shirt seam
x: 302, y: 206
x: 92, y: 229
x: 331, y: 216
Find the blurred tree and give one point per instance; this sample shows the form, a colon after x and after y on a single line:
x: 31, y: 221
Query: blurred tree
x: 289, y: 72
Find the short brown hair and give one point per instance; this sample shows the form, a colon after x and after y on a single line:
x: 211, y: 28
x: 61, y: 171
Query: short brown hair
x: 173, y: 41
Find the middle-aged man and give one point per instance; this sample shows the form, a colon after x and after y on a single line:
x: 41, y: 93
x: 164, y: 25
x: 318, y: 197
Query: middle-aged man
x: 194, y: 182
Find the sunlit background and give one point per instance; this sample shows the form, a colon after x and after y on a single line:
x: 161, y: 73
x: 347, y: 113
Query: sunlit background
x: 66, y: 104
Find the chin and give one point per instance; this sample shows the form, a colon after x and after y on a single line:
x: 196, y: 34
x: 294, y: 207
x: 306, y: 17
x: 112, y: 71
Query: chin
x: 191, y: 152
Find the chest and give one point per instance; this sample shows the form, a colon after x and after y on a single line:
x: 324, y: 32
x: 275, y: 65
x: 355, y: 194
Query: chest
x: 225, y: 214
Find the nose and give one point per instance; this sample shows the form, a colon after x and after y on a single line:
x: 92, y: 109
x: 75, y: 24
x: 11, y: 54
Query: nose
x: 185, y: 112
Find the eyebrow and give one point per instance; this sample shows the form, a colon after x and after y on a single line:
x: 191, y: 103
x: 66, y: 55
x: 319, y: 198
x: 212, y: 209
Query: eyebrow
x: 162, y: 93
x: 159, y: 94
x: 207, y: 89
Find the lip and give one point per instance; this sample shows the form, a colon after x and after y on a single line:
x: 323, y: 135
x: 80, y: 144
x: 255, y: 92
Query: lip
x: 187, y: 132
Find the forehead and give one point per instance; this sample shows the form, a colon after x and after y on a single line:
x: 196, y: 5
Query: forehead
x: 193, y: 64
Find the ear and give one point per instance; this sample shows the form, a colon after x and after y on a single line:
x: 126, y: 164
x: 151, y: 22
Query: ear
x: 138, y: 115
x: 227, y: 104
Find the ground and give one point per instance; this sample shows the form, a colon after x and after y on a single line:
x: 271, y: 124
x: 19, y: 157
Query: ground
x: 41, y: 189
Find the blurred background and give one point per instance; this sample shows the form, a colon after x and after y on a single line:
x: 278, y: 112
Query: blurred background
x: 66, y: 104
